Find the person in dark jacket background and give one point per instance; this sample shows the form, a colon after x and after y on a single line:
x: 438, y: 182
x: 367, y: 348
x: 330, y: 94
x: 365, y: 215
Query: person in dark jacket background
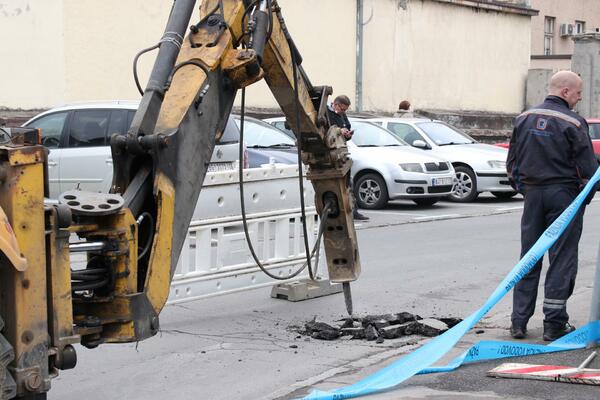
x: 337, y: 116
x: 550, y: 159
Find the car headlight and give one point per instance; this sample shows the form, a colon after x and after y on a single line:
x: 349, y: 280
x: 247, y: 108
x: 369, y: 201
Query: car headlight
x: 412, y: 167
x: 497, y: 164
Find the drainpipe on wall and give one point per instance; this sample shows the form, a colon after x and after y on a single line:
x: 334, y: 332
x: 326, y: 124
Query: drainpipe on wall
x: 359, y: 55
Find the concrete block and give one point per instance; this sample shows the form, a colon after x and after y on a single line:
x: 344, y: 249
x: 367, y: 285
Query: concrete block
x: 586, y: 62
x: 305, y: 289
x: 326, y: 335
x: 430, y: 327
x: 392, y: 331
x: 371, y: 333
x: 315, y: 326
x: 356, y: 333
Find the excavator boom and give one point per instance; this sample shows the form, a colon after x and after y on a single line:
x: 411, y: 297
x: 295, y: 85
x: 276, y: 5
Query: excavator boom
x: 134, y: 234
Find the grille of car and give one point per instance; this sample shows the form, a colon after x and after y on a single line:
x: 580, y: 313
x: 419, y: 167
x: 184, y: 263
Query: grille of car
x: 439, y: 189
x: 435, y: 167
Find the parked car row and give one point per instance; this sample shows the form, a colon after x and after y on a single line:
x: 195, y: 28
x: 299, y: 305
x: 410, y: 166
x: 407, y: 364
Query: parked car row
x: 393, y: 158
x: 420, y: 146
x: 479, y: 167
x: 80, y: 157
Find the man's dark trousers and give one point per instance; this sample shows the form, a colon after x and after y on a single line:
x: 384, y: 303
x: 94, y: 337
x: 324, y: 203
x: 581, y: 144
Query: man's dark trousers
x: 543, y: 204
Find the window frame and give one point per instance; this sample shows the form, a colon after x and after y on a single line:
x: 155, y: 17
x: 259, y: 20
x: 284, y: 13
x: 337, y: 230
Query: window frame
x: 389, y: 127
x: 63, y: 133
x: 67, y: 134
x: 549, y: 31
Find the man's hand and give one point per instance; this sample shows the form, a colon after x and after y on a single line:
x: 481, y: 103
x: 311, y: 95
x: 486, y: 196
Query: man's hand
x: 347, y: 133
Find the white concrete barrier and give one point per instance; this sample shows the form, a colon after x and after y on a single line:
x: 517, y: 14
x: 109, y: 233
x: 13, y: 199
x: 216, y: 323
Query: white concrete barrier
x: 215, y: 258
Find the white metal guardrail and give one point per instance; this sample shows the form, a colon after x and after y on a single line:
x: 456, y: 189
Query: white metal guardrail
x: 215, y: 258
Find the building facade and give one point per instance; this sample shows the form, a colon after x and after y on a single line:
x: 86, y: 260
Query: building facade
x: 553, y: 28
x: 452, y: 55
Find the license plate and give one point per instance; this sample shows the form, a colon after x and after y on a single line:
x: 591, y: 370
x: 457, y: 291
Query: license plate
x: 221, y: 166
x: 441, y: 181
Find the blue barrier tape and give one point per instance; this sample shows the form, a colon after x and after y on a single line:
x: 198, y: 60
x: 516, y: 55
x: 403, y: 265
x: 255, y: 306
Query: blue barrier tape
x: 423, y: 357
x: 493, y: 350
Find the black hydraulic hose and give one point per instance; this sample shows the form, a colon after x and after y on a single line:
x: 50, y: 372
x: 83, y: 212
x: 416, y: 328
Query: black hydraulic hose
x: 167, y: 55
x: 311, y: 273
x: 249, y: 10
x: 135, y: 61
x: 196, y: 63
x: 80, y: 286
x: 324, y: 215
x: 89, y: 279
x: 270, y: 8
x: 146, y: 216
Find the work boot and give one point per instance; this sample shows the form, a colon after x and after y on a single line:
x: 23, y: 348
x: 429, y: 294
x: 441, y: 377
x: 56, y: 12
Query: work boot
x: 553, y: 331
x: 518, y: 331
x: 360, y: 217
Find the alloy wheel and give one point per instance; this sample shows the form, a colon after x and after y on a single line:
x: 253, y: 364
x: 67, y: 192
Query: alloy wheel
x: 464, y: 185
x: 369, y: 192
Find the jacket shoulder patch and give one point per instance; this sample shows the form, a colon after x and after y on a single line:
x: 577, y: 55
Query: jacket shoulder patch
x: 552, y: 113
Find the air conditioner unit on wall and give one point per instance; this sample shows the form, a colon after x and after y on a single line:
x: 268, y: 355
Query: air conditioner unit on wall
x: 566, y: 30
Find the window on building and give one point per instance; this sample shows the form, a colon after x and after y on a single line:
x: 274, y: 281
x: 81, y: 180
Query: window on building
x: 579, y: 27
x: 549, y: 35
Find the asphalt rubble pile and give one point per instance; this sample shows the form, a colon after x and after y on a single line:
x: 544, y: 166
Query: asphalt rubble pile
x: 379, y: 327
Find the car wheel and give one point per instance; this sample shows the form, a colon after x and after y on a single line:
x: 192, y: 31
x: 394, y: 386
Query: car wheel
x: 465, y: 189
x: 504, y: 195
x: 427, y: 201
x: 371, y: 192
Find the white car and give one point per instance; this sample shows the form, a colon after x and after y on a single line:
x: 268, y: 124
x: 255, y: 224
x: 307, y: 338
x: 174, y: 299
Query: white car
x: 385, y: 168
x: 78, y: 138
x: 479, y: 167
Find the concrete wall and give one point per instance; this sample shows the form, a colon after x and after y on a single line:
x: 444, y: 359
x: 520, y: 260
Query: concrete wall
x: 325, y: 33
x: 586, y: 62
x: 101, y: 39
x: 88, y: 48
x: 65, y: 51
x: 438, y: 55
x: 32, y: 53
x: 537, y: 86
x: 444, y: 56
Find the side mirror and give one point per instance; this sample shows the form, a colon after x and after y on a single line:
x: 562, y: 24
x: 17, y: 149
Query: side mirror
x: 420, y: 144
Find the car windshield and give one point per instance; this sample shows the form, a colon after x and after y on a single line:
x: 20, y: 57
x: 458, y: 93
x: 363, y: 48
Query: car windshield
x: 367, y: 134
x: 231, y: 133
x: 595, y: 131
x: 444, y: 135
x: 261, y: 134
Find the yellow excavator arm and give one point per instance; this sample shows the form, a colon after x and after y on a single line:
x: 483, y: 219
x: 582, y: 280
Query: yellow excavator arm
x: 134, y: 235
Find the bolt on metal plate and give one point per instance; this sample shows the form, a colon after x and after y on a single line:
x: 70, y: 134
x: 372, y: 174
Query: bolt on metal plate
x: 91, y: 203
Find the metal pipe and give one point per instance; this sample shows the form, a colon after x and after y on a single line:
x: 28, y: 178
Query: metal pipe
x: 86, y: 246
x: 179, y: 20
x: 595, y: 307
x: 261, y: 30
x: 581, y: 367
x: 359, y: 55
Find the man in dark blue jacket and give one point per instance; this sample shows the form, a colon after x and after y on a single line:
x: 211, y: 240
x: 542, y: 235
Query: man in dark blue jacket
x: 550, y: 158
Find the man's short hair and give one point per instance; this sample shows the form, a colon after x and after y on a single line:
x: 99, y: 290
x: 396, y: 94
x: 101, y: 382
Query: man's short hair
x: 404, y: 105
x: 342, y: 99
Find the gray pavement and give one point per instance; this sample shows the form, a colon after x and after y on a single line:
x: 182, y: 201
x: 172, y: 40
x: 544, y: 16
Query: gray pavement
x: 241, y: 346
